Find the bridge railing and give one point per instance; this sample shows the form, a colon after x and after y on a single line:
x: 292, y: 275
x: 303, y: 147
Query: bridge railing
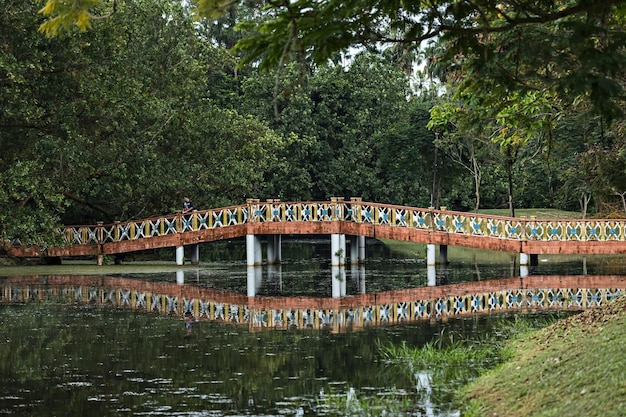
x: 353, y: 210
x: 436, y: 220
x: 485, y: 225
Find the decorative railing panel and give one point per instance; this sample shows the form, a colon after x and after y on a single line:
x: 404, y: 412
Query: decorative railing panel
x: 353, y: 211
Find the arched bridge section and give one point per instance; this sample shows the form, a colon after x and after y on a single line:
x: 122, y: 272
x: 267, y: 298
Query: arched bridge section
x: 344, y: 217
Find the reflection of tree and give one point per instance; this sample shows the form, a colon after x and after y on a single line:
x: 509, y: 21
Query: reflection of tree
x: 66, y: 356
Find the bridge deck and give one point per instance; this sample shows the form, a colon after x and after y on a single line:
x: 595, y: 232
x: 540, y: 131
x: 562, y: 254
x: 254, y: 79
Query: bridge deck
x: 354, y: 217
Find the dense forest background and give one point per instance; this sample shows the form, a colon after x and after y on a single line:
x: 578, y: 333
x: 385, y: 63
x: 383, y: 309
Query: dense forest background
x: 151, y: 105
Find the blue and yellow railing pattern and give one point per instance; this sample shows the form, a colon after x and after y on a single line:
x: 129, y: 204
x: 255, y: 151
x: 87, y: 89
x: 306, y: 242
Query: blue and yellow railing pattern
x: 355, y: 211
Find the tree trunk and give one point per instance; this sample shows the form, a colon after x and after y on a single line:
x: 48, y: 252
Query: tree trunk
x: 584, y: 203
x: 509, y: 173
x: 433, y: 196
x: 477, y: 181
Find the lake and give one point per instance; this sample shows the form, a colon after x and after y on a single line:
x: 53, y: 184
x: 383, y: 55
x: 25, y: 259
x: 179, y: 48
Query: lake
x: 75, y: 352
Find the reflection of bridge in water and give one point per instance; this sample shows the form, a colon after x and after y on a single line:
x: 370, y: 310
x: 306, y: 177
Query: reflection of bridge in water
x: 527, y: 294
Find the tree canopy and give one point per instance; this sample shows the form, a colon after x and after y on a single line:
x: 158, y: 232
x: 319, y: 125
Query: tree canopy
x: 581, y: 47
x: 128, y: 105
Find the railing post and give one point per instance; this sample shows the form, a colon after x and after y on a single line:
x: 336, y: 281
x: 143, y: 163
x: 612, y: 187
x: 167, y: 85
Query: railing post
x: 100, y: 237
x: 431, y: 214
x: 269, y: 210
x: 252, y: 209
x: 100, y: 233
x: 339, y: 211
x: 146, y: 229
x: 116, y: 232
x: 602, y: 234
x: 179, y: 222
x: 336, y: 208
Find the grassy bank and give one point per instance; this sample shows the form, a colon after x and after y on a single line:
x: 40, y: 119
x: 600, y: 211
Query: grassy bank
x: 540, y: 213
x: 575, y: 367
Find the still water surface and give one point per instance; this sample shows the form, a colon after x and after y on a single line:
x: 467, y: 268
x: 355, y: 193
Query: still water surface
x: 58, y: 359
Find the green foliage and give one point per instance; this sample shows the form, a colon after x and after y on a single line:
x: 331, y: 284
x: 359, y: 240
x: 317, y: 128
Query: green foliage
x: 120, y: 121
x: 63, y: 15
x: 353, y: 404
x: 351, y: 130
x: 575, y: 47
x: 29, y: 192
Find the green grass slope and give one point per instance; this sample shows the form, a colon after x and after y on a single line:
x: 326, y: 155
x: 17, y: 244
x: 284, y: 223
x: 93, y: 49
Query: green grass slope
x: 575, y: 367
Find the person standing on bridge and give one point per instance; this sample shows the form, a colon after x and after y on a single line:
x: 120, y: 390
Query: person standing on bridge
x: 187, y: 205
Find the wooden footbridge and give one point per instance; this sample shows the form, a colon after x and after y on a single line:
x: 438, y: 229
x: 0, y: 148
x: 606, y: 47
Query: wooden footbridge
x: 338, y: 218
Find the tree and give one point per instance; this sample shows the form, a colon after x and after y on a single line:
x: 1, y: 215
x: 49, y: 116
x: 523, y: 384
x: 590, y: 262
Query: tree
x: 338, y: 121
x: 586, y: 35
x: 119, y: 122
x: 468, y: 145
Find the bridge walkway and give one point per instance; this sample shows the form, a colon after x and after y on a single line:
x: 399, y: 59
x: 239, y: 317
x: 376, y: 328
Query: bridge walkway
x: 339, y: 218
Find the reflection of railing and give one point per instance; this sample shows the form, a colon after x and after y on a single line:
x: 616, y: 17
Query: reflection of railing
x: 534, y: 293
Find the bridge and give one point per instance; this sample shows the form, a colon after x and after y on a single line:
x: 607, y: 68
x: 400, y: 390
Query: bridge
x: 338, y: 218
x: 440, y: 303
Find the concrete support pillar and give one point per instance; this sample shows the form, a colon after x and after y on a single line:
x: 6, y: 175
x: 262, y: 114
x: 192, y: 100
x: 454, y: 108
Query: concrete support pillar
x: 361, y: 240
x: 335, y: 250
x: 254, y: 279
x: 180, y: 276
x: 180, y: 255
x: 443, y: 254
x: 342, y: 248
x: 430, y: 254
x: 273, y: 249
x: 431, y: 270
x: 254, y: 255
x: 195, y: 254
x: 431, y: 273
x: 338, y: 281
x: 100, y: 260
x: 357, y: 249
x: 338, y: 270
x: 523, y: 264
x: 354, y: 250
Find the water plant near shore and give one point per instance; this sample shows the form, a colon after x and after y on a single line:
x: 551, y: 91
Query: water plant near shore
x: 440, y: 369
